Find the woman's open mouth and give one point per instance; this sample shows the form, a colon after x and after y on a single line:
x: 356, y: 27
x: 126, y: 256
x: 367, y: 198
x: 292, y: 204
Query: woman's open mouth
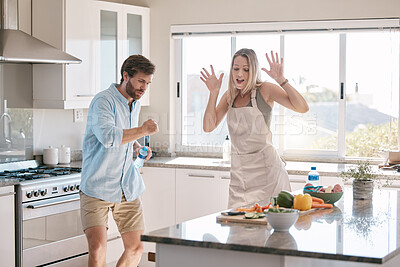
x: 239, y: 81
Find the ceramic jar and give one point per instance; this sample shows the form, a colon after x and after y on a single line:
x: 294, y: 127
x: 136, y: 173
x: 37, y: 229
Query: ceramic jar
x: 50, y: 155
x: 64, y: 154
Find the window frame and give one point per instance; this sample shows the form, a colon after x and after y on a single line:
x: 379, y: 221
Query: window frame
x: 178, y: 32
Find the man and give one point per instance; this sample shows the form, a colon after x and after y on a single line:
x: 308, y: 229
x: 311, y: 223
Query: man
x: 109, y: 179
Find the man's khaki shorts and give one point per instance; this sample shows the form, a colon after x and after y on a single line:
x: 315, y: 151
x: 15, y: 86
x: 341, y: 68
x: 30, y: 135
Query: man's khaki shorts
x: 127, y: 215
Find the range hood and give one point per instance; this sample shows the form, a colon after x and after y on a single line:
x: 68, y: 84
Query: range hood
x: 19, y: 47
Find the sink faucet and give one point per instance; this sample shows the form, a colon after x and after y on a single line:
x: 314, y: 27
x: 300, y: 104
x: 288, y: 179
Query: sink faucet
x: 7, y: 139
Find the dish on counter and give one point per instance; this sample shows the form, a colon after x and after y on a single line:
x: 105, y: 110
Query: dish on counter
x: 281, y: 219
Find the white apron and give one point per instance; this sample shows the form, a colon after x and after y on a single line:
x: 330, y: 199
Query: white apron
x: 257, y: 171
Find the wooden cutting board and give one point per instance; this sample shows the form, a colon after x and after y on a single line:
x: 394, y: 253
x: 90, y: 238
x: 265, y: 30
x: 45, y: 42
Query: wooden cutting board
x: 240, y: 219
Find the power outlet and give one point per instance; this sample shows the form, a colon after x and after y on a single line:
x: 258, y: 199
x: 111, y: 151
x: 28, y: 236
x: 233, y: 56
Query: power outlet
x: 78, y: 115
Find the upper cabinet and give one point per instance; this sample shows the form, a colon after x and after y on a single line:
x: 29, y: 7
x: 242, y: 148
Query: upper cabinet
x: 69, y: 26
x: 101, y: 34
x: 122, y: 30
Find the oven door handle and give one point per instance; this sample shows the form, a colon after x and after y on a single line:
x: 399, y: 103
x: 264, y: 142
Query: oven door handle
x: 52, y: 203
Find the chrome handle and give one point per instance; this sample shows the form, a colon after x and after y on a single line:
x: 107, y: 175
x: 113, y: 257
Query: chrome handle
x: 393, y: 186
x: 201, y: 175
x: 84, y: 95
x: 7, y: 194
x: 224, y: 177
x: 297, y: 181
x: 114, y: 238
x: 52, y: 203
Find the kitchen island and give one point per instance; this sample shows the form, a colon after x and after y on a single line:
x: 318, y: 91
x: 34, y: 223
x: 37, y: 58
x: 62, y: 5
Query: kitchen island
x: 353, y: 233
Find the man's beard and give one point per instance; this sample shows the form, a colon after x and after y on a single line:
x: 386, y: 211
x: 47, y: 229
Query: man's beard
x: 130, y: 90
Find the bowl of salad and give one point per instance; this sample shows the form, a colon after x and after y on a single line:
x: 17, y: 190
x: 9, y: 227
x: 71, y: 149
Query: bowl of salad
x: 330, y: 194
x: 281, y: 219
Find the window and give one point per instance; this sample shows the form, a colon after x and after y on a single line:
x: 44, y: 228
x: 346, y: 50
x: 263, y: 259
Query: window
x: 350, y: 79
x: 198, y: 53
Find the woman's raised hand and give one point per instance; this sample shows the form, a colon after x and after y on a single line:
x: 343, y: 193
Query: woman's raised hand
x: 276, y: 66
x: 213, y: 84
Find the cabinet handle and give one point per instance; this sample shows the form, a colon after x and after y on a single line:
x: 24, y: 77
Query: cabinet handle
x: 225, y: 177
x: 84, y: 95
x: 114, y: 238
x: 297, y: 181
x: 393, y: 186
x: 201, y: 175
x: 7, y: 194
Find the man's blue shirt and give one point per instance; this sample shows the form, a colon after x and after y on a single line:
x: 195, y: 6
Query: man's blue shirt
x: 107, y: 166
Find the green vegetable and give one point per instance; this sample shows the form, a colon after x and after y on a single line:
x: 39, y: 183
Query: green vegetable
x: 279, y: 210
x: 285, y: 199
x: 254, y: 215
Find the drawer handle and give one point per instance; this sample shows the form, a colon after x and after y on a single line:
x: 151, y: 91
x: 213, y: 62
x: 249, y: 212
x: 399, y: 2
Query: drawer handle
x: 201, y: 175
x: 114, y: 238
x: 297, y: 181
x: 393, y: 186
x: 7, y: 194
x: 226, y: 177
x: 84, y: 95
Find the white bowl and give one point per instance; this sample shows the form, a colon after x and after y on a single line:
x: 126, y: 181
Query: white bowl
x: 282, y: 221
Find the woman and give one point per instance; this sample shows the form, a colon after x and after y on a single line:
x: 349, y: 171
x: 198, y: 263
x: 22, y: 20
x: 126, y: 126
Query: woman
x: 257, y: 172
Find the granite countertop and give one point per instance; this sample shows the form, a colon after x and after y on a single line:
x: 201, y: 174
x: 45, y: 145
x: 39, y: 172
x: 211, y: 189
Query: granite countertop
x: 292, y: 167
x: 354, y: 230
x: 8, y: 182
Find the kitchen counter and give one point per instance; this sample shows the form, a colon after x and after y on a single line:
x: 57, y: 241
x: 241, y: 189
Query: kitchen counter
x: 8, y: 182
x: 353, y: 233
x: 292, y: 167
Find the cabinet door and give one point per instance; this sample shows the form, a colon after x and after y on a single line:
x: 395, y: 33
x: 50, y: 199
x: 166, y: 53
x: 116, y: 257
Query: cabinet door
x: 224, y: 180
x: 80, y: 40
x: 197, y: 193
x: 122, y: 30
x: 159, y: 198
x: 68, y: 26
x: 136, y: 36
x: 7, y: 228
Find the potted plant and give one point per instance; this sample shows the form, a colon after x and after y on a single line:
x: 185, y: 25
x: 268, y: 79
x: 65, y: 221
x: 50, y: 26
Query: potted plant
x: 363, y: 180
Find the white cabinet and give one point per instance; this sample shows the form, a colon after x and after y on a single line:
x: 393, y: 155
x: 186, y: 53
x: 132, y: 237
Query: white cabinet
x: 199, y: 193
x: 159, y: 198
x: 121, y: 30
x: 69, y: 26
x: 7, y: 228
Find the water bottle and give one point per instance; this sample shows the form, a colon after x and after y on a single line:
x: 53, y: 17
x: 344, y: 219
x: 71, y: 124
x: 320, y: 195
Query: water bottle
x: 226, y: 149
x: 313, y: 176
x: 141, y: 157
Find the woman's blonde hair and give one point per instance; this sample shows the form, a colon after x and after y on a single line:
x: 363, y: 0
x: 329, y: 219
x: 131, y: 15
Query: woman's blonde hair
x: 254, y: 80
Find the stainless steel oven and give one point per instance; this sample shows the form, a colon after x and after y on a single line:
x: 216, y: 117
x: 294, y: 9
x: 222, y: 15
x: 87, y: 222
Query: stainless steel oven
x: 48, y: 224
x: 51, y: 230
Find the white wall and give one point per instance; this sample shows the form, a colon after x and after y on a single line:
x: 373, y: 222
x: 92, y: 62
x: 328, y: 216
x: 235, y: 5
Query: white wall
x: 165, y: 13
x: 55, y: 127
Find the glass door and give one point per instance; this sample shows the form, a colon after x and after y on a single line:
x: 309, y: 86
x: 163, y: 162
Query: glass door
x: 108, y: 48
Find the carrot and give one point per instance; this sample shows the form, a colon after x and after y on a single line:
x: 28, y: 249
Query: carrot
x: 266, y: 207
x: 317, y: 200
x: 319, y: 205
x: 245, y: 209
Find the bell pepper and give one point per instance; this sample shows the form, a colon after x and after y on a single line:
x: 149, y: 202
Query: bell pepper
x: 302, y: 202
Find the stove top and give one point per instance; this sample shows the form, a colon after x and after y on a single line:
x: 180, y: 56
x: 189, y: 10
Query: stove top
x: 38, y: 172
